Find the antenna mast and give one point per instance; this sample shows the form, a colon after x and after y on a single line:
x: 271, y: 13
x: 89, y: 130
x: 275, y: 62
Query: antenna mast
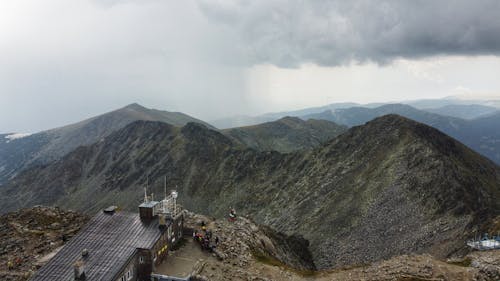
x: 164, y: 201
x: 174, y: 196
x: 146, y: 200
x: 165, y: 187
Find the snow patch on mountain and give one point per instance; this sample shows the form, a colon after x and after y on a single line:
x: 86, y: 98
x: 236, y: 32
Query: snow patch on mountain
x: 16, y: 136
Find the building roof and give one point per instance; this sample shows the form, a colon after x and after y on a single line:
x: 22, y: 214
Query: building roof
x: 111, y: 240
x: 149, y: 204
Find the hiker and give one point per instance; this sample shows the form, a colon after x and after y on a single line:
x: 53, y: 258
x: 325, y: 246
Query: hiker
x: 202, y: 243
x: 203, y: 226
x: 194, y: 234
x: 232, y: 215
x: 10, y: 265
x: 216, y: 240
x: 206, y: 244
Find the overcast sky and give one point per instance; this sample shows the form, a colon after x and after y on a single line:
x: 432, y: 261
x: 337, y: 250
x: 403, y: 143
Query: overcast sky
x: 62, y: 61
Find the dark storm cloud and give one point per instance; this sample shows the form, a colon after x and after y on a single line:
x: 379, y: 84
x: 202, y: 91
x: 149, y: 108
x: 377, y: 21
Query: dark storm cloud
x: 288, y: 33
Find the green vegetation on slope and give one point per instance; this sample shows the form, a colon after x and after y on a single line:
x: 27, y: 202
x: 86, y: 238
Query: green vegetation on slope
x: 286, y: 135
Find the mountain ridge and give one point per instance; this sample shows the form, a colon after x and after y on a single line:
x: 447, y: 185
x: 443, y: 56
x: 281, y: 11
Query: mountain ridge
x: 389, y: 187
x: 479, y: 134
x: 465, y: 111
x: 286, y: 134
x: 50, y: 145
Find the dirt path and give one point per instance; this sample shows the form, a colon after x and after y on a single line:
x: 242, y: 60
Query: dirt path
x: 181, y: 262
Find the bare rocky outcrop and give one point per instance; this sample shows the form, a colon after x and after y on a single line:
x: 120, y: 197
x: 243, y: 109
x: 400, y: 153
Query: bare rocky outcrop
x: 243, y: 240
x: 29, y: 235
x: 251, y: 252
x: 477, y: 266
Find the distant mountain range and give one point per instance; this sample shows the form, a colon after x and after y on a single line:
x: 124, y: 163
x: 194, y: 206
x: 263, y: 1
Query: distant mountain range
x: 452, y: 106
x: 391, y: 186
x: 464, y: 111
x: 356, y: 116
x: 242, y: 120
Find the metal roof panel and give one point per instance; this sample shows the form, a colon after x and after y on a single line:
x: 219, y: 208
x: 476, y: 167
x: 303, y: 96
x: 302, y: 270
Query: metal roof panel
x: 111, y: 239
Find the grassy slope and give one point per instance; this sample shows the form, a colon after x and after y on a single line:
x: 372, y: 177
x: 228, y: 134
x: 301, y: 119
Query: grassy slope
x: 286, y: 135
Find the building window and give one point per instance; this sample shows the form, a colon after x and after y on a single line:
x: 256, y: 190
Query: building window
x: 141, y: 260
x: 129, y: 276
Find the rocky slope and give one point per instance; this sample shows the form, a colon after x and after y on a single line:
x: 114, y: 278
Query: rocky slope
x: 16, y: 154
x: 286, y: 134
x: 46, y: 146
x: 250, y: 252
x: 28, y: 235
x: 387, y: 188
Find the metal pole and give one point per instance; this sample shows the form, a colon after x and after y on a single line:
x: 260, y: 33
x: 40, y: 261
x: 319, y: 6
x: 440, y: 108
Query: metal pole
x: 165, y: 191
x: 175, y: 202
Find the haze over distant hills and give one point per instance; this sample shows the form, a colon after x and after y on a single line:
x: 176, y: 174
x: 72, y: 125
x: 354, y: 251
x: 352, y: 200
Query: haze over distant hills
x: 389, y: 187
x: 464, y: 111
x: 355, y: 116
x: 451, y: 106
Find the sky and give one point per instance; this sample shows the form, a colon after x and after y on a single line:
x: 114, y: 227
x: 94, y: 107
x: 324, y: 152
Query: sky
x: 62, y: 61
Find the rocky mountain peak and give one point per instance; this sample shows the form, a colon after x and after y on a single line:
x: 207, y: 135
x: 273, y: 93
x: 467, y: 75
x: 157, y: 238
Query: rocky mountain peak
x: 135, y: 106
